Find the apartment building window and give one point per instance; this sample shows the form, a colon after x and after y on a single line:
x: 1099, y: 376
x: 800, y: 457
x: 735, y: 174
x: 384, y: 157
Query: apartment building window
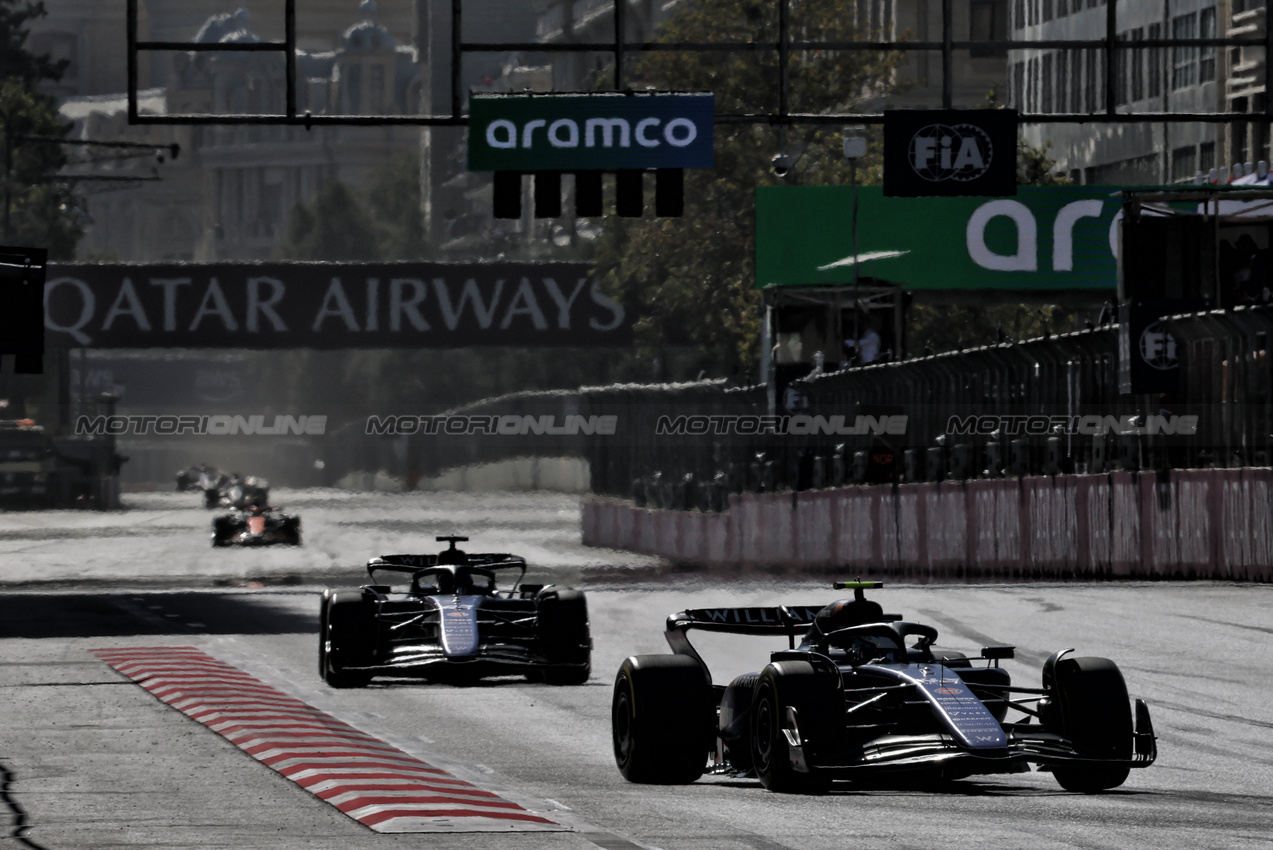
x: 1018, y: 14
x: 1032, y: 85
x: 1046, y: 80
x: 1018, y: 85
x: 1091, y: 96
x: 988, y: 21
x: 1182, y: 164
x: 1207, y: 29
x: 1047, y: 10
x: 1122, y: 82
x: 1206, y: 156
x: 1063, y: 82
x: 1155, y: 80
x: 1137, y: 58
x: 1184, y: 60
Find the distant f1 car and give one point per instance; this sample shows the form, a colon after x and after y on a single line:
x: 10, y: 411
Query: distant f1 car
x: 855, y: 700
x: 201, y: 477
x: 451, y: 623
x: 256, y: 526
x: 238, y: 493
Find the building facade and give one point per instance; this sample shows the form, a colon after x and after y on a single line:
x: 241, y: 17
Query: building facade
x: 1146, y: 79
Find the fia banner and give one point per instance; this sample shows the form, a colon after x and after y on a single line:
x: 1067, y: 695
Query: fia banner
x: 950, y: 152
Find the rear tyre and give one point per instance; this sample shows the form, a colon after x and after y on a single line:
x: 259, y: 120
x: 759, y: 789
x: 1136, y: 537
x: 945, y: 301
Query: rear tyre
x: 1094, y: 713
x: 819, y: 704
x: 661, y: 719
x: 347, y: 638
x: 292, y: 530
x: 564, y: 636
x: 221, y: 532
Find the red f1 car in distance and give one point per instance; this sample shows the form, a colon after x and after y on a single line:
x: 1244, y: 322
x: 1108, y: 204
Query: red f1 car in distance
x: 256, y: 525
x: 451, y: 623
x: 866, y: 694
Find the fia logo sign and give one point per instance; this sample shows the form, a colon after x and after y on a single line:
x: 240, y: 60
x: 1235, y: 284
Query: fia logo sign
x: 941, y: 152
x: 949, y: 152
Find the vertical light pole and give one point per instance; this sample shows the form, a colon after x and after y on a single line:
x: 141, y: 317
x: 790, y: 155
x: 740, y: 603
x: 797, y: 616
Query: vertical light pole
x: 854, y: 149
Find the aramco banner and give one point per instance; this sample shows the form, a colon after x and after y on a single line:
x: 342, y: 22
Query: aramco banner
x: 590, y: 132
x: 1045, y: 238
x: 329, y: 305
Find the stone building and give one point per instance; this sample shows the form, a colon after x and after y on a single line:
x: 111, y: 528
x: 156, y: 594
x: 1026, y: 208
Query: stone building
x: 229, y: 193
x: 1147, y: 79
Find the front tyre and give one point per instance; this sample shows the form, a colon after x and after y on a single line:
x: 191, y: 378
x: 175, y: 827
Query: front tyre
x: 1092, y: 710
x: 564, y: 636
x: 661, y: 719
x: 792, y: 684
x: 347, y: 638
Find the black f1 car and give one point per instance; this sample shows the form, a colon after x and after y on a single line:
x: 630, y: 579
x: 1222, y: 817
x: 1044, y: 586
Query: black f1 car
x: 238, y: 493
x: 451, y: 623
x: 206, y: 479
x: 256, y: 526
x: 865, y: 694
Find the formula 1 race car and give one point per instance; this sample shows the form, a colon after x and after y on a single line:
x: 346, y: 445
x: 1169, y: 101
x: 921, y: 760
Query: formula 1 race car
x: 856, y: 700
x: 236, y: 492
x: 450, y: 623
x: 256, y: 526
x: 202, y: 477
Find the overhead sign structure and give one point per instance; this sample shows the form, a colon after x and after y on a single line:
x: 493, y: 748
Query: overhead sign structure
x: 329, y: 305
x: 1047, y: 238
x: 950, y: 152
x: 590, y: 132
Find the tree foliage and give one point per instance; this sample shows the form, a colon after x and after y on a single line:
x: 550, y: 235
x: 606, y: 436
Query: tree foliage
x: 383, y: 222
x: 38, y: 209
x: 691, y: 280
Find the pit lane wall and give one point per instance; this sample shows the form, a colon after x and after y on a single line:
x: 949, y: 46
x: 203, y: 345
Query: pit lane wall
x: 1203, y: 524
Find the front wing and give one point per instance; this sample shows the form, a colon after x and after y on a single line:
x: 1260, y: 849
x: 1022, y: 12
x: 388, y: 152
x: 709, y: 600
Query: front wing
x: 1024, y: 745
x: 421, y: 640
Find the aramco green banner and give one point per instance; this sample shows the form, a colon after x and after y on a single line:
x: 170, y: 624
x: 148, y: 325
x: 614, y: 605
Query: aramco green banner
x: 1045, y: 238
x: 580, y: 132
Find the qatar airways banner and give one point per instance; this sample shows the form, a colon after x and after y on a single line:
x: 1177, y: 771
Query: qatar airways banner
x: 328, y: 305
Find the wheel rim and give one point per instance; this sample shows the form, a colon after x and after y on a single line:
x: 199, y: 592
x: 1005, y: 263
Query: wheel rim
x: 621, y: 722
x: 763, y: 734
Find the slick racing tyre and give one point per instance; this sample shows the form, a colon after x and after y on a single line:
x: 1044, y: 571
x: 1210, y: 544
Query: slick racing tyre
x: 564, y: 637
x: 1091, y: 709
x: 661, y: 719
x: 819, y: 706
x: 346, y: 638
x: 222, y: 531
x: 291, y: 530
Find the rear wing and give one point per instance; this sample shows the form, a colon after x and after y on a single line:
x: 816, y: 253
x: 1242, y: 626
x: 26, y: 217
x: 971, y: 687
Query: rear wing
x: 412, y: 564
x: 782, y: 619
x: 788, y: 620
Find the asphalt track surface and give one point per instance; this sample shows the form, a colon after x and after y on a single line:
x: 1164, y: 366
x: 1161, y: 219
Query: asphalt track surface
x: 89, y: 759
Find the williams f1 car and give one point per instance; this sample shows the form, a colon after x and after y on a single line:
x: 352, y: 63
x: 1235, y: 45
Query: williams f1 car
x: 256, y: 526
x: 865, y: 694
x: 451, y: 623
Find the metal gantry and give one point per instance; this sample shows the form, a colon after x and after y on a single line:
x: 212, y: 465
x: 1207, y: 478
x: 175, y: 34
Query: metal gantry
x: 784, y: 48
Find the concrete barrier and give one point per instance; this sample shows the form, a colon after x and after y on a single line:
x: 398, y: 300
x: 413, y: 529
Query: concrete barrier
x: 1206, y: 524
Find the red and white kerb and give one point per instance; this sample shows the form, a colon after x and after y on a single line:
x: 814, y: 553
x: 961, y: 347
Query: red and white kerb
x: 374, y: 783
